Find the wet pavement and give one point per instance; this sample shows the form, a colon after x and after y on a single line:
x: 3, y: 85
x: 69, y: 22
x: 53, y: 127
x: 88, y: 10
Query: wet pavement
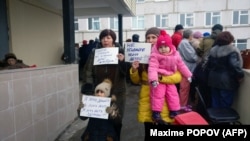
x: 132, y: 130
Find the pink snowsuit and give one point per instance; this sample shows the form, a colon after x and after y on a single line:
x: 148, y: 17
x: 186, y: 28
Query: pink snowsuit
x: 165, y: 65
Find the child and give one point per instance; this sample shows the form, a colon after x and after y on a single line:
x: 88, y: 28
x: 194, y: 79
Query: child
x: 165, y: 60
x: 103, y: 129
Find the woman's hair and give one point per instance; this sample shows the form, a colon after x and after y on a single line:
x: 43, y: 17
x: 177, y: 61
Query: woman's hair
x: 224, y: 38
x: 107, y: 32
x: 187, y: 33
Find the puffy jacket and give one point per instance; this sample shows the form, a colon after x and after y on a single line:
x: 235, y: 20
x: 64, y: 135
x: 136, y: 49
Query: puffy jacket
x: 144, y: 108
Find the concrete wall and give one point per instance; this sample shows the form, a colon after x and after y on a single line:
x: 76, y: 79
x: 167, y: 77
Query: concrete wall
x: 36, y: 33
x: 37, y: 104
x: 241, y: 102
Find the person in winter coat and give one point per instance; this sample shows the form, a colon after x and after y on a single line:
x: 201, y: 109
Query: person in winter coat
x: 200, y: 72
x: 95, y: 74
x: 11, y: 62
x: 190, y: 58
x: 139, y: 75
x: 225, y: 70
x: 166, y: 61
x: 102, y: 129
x: 177, y: 36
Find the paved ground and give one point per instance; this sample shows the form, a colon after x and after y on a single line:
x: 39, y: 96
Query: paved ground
x: 132, y: 130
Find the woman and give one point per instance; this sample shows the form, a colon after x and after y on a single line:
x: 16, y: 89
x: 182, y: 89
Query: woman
x: 95, y: 74
x: 12, y: 62
x: 225, y: 70
x: 139, y: 75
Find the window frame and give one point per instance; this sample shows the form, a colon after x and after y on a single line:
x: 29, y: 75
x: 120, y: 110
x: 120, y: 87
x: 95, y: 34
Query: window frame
x: 76, y: 24
x: 240, y: 14
x: 93, y: 21
x: 161, y: 20
x: 137, y: 22
x: 115, y: 22
x: 186, y: 17
x: 237, y: 44
x: 212, y: 16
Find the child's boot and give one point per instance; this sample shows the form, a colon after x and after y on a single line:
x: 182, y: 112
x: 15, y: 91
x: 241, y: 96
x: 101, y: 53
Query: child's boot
x: 156, y: 116
x: 172, y: 114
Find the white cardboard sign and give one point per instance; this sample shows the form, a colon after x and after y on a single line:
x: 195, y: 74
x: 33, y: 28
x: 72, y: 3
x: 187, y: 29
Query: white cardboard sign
x: 95, y: 106
x: 107, y: 55
x: 137, y: 52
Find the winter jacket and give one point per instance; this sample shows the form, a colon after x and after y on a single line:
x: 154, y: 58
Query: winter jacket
x: 207, y: 43
x: 225, y: 67
x: 102, y: 129
x: 188, y: 54
x: 144, y: 109
x: 176, y: 39
x: 94, y: 75
x: 166, y: 65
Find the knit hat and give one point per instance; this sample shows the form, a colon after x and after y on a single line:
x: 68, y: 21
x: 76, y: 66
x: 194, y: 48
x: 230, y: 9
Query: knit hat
x: 197, y: 35
x: 217, y: 27
x: 105, y: 86
x: 178, y: 27
x: 135, y: 38
x: 152, y: 30
x: 9, y: 55
x: 164, y: 39
x: 206, y: 34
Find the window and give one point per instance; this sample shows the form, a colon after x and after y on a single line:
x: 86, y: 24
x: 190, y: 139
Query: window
x: 138, y: 22
x: 241, y: 44
x: 161, y: 20
x: 139, y: 1
x: 113, y: 23
x: 212, y: 18
x: 94, y: 23
x: 240, y: 17
x: 76, y: 24
x: 187, y: 20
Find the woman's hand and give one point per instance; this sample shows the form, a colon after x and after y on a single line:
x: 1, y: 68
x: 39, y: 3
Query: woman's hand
x: 120, y: 57
x: 135, y: 66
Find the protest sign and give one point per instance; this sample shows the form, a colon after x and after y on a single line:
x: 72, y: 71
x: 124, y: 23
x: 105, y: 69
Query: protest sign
x: 106, y: 55
x: 137, y: 52
x: 95, y: 106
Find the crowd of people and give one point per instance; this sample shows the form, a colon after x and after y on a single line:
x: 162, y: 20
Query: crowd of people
x: 177, y: 65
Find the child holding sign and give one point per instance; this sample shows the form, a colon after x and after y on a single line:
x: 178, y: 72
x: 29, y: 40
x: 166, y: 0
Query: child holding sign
x: 103, y: 129
x: 165, y: 61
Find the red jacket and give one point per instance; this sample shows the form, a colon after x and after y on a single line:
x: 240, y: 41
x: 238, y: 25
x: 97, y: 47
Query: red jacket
x: 176, y: 38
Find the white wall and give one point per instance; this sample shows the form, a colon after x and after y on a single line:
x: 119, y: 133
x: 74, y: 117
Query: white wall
x: 36, y: 33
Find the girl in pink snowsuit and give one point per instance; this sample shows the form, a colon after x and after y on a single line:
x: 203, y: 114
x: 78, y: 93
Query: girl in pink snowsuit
x: 165, y: 60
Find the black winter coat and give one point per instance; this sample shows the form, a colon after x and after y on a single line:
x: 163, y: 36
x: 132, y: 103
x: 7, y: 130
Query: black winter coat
x: 225, y: 67
x: 94, y: 75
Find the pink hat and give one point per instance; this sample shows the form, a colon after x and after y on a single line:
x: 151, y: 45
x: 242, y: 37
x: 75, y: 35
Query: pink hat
x: 197, y: 35
x: 164, y: 39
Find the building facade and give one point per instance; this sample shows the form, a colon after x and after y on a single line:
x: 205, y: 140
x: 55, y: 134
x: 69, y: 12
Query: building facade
x: 197, y: 15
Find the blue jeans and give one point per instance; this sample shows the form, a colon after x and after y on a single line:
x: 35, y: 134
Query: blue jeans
x: 222, y: 98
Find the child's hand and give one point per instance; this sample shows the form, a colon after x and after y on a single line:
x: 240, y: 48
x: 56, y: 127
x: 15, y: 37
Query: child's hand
x: 154, y: 83
x: 189, y: 79
x: 135, y: 65
x: 120, y: 57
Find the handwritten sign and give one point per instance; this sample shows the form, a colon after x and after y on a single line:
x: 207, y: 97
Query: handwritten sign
x: 95, y: 106
x: 137, y: 52
x: 106, y: 56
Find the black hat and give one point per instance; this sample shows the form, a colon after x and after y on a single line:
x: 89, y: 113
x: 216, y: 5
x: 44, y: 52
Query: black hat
x: 9, y: 55
x: 135, y: 38
x: 178, y: 27
x: 217, y: 27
